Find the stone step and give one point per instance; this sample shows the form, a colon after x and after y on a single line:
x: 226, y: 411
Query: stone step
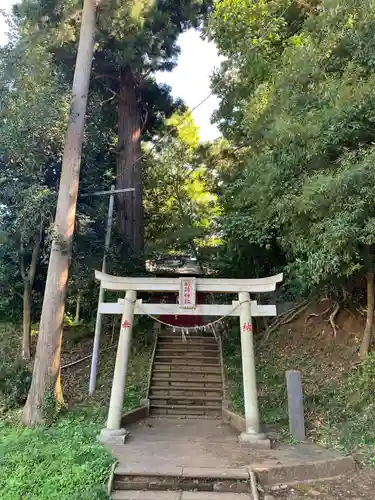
x: 170, y: 412
x: 204, y: 369
x: 189, y: 342
x: 214, y: 417
x: 199, y: 369
x: 189, y: 346
x: 145, y: 495
x: 184, y: 409
x: 199, y: 396
x: 186, y: 396
x: 191, y: 378
x: 187, y: 353
x: 188, y: 350
x: 177, y: 495
x: 185, y: 388
x: 189, y: 338
x: 216, y: 481
x: 196, y: 342
x: 191, y: 361
x: 176, y: 383
x: 187, y: 406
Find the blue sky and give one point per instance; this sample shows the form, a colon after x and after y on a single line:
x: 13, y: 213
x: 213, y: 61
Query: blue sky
x: 190, y: 80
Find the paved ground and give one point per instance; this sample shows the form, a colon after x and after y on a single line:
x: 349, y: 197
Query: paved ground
x: 162, y: 445
x: 184, y: 443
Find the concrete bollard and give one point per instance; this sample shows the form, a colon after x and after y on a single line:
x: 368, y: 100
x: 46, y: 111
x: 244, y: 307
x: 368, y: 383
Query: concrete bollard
x: 295, y: 405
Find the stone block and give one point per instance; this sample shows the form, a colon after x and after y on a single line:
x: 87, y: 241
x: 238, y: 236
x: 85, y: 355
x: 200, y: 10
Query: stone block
x: 227, y: 473
x: 234, y: 420
x: 255, y: 441
x: 112, y: 436
x: 295, y: 405
x: 135, y: 415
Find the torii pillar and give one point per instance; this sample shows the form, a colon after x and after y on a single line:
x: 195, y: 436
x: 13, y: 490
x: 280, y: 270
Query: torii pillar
x: 252, y: 432
x: 113, y: 428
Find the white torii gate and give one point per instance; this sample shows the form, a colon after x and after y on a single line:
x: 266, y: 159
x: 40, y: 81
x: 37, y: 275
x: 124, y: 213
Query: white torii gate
x: 187, y: 287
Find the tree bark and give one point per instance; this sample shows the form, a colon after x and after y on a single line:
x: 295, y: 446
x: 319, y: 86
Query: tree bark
x: 46, y: 373
x: 129, y: 172
x: 26, y: 340
x: 366, y: 341
x: 28, y: 283
x: 78, y: 309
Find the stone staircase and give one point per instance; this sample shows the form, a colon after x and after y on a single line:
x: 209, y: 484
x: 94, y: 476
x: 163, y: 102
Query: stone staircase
x: 199, y: 457
x: 186, y: 380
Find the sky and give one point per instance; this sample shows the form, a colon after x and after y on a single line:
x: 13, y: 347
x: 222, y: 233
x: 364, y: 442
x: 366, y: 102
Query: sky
x: 190, y: 80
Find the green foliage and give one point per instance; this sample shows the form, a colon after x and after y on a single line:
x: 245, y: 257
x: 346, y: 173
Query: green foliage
x: 36, y: 69
x: 15, y: 380
x: 349, y: 418
x: 50, y: 410
x: 297, y: 91
x: 63, y: 461
x: 34, y: 108
x: 181, y: 207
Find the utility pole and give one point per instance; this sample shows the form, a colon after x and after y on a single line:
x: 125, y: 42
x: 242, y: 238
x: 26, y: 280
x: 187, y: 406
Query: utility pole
x: 98, y: 323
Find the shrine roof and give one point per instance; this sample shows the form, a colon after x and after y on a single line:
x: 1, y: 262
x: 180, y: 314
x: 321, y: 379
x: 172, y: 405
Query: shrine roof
x: 176, y: 265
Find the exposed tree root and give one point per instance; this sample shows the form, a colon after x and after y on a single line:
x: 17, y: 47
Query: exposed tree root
x: 332, y: 318
x: 298, y: 310
x: 315, y: 315
x: 312, y: 315
x: 83, y: 359
x: 286, y: 318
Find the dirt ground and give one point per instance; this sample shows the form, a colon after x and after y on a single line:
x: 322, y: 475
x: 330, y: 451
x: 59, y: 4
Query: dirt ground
x: 360, y: 486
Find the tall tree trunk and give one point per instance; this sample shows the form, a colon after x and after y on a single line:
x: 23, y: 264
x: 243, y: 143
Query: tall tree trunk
x: 366, y: 341
x: 46, y: 373
x: 129, y: 174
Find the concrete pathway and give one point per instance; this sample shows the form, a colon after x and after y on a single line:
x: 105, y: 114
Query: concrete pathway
x: 194, y: 448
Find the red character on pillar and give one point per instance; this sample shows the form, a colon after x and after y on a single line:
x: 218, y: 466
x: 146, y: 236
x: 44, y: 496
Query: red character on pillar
x: 126, y: 324
x: 247, y: 327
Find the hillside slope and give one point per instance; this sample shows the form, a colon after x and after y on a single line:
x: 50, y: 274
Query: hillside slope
x: 338, y: 389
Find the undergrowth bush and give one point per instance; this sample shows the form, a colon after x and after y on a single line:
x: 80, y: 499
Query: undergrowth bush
x: 15, y: 380
x: 348, y: 413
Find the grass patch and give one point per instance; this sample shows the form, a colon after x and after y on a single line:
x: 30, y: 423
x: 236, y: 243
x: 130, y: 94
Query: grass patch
x: 338, y: 390
x: 64, y: 461
x: 270, y: 383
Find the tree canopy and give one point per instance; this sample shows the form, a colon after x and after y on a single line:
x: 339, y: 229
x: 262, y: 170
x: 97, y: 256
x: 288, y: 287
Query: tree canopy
x: 288, y: 187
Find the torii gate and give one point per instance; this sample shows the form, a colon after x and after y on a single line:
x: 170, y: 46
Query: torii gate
x: 187, y: 287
